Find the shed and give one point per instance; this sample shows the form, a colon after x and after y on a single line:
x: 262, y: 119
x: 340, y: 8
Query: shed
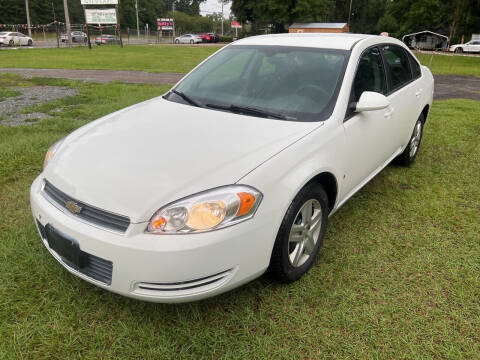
x: 426, y: 40
x: 318, y: 28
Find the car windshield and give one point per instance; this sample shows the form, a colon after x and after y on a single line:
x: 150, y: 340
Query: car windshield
x: 290, y: 83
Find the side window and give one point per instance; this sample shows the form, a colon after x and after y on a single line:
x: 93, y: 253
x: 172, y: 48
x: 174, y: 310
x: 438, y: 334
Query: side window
x: 417, y: 72
x: 370, y: 74
x: 398, y: 65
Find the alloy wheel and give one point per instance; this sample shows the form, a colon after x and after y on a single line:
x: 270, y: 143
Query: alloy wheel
x: 304, y: 232
x: 416, y: 137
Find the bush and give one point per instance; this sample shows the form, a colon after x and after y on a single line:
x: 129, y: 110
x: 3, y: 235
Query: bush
x: 225, y: 38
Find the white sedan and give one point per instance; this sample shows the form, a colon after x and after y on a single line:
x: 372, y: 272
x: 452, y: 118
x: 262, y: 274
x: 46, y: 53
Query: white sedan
x: 235, y: 170
x: 15, y: 39
x: 471, y: 46
x: 188, y: 39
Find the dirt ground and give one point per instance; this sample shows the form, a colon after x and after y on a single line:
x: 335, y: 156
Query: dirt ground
x: 446, y: 86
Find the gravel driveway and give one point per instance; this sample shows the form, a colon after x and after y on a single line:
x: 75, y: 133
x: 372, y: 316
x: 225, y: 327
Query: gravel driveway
x: 446, y: 86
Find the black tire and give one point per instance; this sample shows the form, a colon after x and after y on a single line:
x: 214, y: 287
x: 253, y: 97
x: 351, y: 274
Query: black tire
x: 459, y: 50
x: 11, y: 43
x: 408, y: 156
x: 281, y: 266
x: 191, y: 42
x: 30, y: 42
x: 177, y: 41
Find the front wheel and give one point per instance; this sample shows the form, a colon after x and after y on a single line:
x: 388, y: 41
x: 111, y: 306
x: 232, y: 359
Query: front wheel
x: 408, y: 156
x: 459, y: 50
x: 301, y: 234
x: 11, y: 43
x: 30, y: 42
x: 191, y: 42
x: 177, y: 41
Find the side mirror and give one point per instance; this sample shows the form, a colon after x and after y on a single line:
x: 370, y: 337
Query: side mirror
x: 370, y: 101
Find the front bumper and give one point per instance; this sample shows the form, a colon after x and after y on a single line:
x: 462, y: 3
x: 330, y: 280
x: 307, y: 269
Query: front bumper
x: 162, y: 268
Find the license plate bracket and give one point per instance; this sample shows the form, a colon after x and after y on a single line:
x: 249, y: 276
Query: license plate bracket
x: 65, y: 246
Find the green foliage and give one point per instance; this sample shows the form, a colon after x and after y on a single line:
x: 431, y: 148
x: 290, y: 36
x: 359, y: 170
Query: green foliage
x: 452, y: 18
x: 42, y: 12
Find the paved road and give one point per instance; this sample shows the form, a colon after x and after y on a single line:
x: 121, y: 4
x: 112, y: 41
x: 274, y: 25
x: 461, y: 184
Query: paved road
x: 446, y: 86
x: 132, y: 41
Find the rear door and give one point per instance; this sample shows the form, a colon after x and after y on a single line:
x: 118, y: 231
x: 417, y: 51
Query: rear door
x: 405, y: 92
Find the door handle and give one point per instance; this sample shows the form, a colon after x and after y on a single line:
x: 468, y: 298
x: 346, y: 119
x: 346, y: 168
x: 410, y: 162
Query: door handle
x: 388, y: 114
x: 419, y: 92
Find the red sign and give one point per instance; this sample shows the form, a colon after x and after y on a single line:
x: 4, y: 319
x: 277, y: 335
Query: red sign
x: 236, y: 24
x: 384, y: 34
x: 165, y: 24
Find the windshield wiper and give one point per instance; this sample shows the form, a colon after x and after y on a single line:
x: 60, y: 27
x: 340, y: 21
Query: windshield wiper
x: 249, y: 110
x: 186, y: 98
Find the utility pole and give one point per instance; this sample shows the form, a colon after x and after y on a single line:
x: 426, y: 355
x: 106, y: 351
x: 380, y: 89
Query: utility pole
x: 27, y: 8
x: 349, y: 13
x: 136, y: 11
x: 222, y: 16
x: 173, y: 18
x: 67, y: 23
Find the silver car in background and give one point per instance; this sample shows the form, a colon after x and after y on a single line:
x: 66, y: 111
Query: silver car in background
x: 188, y: 39
x: 77, y: 36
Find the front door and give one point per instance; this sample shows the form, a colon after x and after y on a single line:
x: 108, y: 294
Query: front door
x: 368, y: 133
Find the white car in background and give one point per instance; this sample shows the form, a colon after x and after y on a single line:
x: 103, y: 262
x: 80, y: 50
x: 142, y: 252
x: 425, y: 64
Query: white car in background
x: 15, y: 39
x: 188, y: 39
x: 235, y: 170
x: 472, y: 46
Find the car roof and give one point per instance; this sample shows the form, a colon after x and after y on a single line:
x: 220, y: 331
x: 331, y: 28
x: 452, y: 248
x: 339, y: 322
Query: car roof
x: 340, y: 41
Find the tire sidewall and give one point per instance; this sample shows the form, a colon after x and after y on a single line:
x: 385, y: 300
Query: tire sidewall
x: 312, y: 191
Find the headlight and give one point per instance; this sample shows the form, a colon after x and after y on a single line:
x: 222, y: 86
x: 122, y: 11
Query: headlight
x: 51, y: 151
x: 209, y: 210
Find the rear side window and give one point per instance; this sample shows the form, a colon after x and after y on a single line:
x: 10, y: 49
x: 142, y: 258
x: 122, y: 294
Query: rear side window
x: 370, y: 75
x: 415, y: 67
x: 398, y: 65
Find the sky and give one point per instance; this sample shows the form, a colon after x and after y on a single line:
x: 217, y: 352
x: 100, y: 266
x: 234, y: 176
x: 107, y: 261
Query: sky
x: 211, y: 6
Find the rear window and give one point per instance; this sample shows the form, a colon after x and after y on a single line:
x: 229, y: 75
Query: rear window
x: 3, y: 33
x: 416, y: 71
x: 398, y: 65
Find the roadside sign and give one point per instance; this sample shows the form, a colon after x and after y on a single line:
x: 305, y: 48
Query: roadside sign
x: 165, y: 24
x: 99, y: 2
x: 384, y: 34
x: 101, y: 16
x: 236, y: 25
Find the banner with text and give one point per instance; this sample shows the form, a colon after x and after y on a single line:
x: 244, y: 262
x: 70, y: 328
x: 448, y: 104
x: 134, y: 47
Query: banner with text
x: 99, y: 2
x: 165, y: 24
x: 100, y: 16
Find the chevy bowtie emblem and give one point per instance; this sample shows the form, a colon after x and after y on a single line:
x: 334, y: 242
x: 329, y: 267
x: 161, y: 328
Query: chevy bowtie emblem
x: 73, y: 207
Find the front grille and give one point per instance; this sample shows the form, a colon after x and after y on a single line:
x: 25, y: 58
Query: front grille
x: 189, y: 287
x: 86, y: 212
x: 94, y: 267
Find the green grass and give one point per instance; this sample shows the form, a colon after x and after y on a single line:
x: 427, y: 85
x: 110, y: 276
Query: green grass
x: 398, y: 277
x: 151, y: 58
x: 451, y: 64
x: 174, y: 59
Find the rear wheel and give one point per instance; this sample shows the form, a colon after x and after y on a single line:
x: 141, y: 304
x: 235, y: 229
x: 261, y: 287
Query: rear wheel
x: 301, y: 234
x: 408, y: 156
x: 459, y: 50
x: 30, y: 42
x: 10, y: 43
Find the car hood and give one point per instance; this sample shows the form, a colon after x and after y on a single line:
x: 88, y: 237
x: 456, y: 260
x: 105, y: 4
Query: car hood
x: 138, y: 159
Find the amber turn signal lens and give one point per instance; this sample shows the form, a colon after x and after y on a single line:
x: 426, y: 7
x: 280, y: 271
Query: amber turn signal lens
x: 246, y: 202
x: 159, y: 223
